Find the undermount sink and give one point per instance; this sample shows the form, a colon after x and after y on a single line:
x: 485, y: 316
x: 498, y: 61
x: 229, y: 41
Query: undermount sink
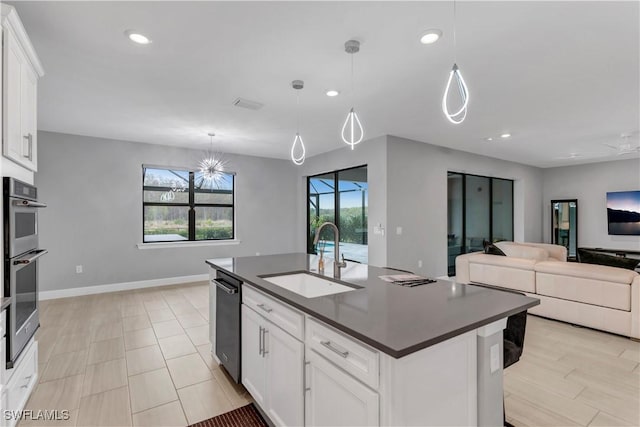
x: 308, y: 285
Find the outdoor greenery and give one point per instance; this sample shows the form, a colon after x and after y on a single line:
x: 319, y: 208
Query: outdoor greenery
x: 352, y: 227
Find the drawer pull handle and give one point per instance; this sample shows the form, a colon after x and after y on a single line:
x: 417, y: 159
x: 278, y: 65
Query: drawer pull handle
x: 265, y: 308
x: 330, y: 346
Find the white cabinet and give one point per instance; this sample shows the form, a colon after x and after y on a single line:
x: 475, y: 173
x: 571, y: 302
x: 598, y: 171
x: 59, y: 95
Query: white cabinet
x: 22, y: 381
x: 20, y: 72
x: 334, y: 398
x: 272, y: 368
x: 254, y: 363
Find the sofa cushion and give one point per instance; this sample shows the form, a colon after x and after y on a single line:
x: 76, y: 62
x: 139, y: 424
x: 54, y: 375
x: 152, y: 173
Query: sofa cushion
x: 585, y: 290
x: 503, y: 261
x: 516, y: 250
x: 588, y: 271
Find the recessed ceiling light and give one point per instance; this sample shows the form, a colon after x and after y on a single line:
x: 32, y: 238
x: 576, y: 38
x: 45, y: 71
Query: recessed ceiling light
x: 505, y: 135
x: 332, y: 93
x: 136, y: 37
x: 430, y: 36
x: 489, y: 139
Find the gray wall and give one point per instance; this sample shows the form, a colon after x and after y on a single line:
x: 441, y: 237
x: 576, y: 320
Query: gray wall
x: 417, y: 200
x: 93, y: 188
x: 589, y: 184
x: 371, y: 152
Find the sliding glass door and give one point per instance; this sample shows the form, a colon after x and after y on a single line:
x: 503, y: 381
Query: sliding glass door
x: 479, y: 208
x: 340, y: 197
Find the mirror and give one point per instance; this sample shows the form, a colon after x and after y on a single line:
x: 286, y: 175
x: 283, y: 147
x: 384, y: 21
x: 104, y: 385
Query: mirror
x: 564, y: 225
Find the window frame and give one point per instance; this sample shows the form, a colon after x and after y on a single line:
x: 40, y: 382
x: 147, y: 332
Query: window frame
x: 336, y: 203
x: 191, y: 205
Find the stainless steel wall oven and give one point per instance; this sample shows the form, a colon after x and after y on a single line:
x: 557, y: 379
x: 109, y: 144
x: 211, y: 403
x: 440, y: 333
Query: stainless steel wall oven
x: 21, y: 255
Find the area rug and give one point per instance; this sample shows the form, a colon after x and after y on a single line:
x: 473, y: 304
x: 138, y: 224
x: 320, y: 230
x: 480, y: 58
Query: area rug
x: 246, y: 416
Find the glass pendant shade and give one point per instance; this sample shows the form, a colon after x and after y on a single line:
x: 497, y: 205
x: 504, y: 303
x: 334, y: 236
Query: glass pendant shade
x: 298, y: 145
x: 352, y: 132
x: 455, y: 77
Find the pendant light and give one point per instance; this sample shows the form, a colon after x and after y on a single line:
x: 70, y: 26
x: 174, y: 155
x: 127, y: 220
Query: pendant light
x: 455, y: 75
x: 212, y: 166
x: 352, y: 132
x: 298, y: 144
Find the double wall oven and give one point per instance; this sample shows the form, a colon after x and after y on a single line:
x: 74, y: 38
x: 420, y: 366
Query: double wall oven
x: 21, y: 255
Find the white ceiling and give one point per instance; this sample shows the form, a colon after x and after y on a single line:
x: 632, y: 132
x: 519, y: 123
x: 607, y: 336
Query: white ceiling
x: 562, y: 77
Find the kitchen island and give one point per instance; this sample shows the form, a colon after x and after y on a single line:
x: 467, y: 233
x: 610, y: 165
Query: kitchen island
x: 379, y: 354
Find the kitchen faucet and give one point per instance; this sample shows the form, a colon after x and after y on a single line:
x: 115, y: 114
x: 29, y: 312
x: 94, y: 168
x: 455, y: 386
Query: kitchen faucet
x: 337, y: 264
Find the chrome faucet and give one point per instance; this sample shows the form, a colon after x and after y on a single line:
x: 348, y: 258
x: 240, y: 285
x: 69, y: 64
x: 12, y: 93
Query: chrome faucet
x: 337, y: 264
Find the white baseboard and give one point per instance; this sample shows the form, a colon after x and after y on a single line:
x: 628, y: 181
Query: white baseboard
x: 125, y: 286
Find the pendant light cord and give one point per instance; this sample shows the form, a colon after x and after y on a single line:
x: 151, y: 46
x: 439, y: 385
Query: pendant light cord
x: 455, y: 44
x: 353, y: 86
x: 298, y: 108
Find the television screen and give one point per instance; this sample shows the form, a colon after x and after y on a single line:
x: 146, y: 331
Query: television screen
x: 623, y: 212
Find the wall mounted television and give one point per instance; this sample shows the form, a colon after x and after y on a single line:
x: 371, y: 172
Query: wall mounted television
x: 623, y: 213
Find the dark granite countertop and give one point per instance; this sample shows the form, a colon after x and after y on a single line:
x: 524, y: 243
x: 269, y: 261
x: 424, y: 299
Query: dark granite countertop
x: 394, y: 319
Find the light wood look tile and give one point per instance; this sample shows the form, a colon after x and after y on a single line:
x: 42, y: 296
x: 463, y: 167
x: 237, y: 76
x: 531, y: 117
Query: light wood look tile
x: 57, y: 394
x: 176, y: 346
x: 139, y: 338
x: 198, y: 335
x: 144, y: 359
x: 624, y: 408
x: 110, y: 408
x: 188, y: 370
x: 134, y: 323
x: 65, y: 365
x: 168, y: 328
x: 107, y: 331
x: 105, y: 376
x: 191, y: 320
x: 236, y: 393
x: 155, y: 304
x: 71, y: 343
x: 151, y: 389
x: 161, y: 315
x: 204, y: 400
x: 133, y: 310
x: 167, y: 415
x: 103, y: 351
x: 521, y: 412
x: 205, y: 353
x: 606, y: 420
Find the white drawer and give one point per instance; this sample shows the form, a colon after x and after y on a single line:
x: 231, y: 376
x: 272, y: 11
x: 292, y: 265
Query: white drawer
x: 354, y: 357
x: 23, y: 379
x: 287, y: 318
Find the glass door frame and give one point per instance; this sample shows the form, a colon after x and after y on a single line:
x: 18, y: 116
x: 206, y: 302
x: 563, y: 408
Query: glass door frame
x: 336, y: 201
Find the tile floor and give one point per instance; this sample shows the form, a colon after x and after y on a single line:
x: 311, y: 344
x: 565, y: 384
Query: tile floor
x: 573, y: 376
x: 142, y: 358
x: 131, y: 358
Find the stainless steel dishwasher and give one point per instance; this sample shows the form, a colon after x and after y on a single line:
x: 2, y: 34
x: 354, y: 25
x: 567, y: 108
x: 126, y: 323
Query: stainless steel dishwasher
x: 228, y: 323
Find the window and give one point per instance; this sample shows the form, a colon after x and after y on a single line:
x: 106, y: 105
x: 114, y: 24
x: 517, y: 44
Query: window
x: 479, y: 208
x: 340, y: 197
x: 180, y: 205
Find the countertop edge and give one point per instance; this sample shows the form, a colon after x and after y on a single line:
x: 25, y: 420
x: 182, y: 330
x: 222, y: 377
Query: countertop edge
x: 375, y: 344
x: 6, y: 302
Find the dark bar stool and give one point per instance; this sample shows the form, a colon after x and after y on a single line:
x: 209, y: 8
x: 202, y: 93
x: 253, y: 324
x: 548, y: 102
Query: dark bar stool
x: 513, y: 345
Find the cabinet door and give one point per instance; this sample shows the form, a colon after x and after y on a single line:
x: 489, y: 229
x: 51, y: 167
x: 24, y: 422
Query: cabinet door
x: 254, y: 364
x: 28, y: 117
x: 13, y: 62
x: 285, y: 362
x: 335, y: 398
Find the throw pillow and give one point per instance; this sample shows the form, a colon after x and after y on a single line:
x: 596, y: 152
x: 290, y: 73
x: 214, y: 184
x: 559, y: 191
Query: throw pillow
x: 491, y: 249
x: 590, y: 257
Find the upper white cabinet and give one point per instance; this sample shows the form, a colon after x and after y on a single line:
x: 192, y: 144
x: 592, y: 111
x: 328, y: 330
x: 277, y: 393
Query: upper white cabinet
x: 20, y: 72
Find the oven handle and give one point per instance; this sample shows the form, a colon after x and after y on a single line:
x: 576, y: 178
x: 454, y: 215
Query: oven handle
x: 34, y: 256
x: 29, y: 204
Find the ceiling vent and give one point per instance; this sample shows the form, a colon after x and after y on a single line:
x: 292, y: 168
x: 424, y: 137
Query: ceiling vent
x: 245, y: 103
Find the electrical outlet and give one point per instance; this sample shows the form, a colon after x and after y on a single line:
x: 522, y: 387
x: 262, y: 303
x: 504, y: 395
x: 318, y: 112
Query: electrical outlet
x: 78, y: 269
x: 419, y: 263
